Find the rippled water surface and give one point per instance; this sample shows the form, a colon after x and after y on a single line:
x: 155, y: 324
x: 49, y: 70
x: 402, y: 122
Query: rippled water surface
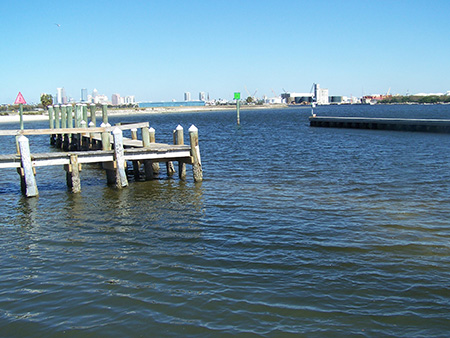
x: 294, y: 231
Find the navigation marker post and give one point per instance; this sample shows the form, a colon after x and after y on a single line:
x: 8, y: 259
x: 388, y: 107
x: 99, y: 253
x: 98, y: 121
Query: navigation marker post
x: 237, y: 97
x: 20, y: 101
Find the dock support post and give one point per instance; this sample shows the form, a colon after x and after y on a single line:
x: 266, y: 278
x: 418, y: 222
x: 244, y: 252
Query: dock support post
x: 28, y: 180
x: 195, y: 154
x: 57, y: 115
x: 63, y: 123
x: 169, y: 164
x: 121, y: 176
x: 68, y: 137
x: 85, y: 115
x: 58, y: 137
x: 73, y: 174
x: 179, y: 140
x: 85, y: 139
x: 92, y: 109
x: 148, y: 167
x: 152, y: 137
x: 145, y: 137
x: 134, y: 134
x: 106, y: 138
x: 51, y: 119
x: 105, y: 113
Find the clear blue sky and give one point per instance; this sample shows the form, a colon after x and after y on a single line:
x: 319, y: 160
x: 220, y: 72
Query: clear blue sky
x: 157, y: 50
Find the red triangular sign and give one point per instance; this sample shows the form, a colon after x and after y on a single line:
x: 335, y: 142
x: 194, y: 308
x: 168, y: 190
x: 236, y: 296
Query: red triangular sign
x: 20, y: 99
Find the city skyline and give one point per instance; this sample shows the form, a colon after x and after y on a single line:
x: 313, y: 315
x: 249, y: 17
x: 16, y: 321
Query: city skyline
x: 158, y: 51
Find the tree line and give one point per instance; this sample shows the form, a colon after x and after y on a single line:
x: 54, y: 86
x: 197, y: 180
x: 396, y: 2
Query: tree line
x: 416, y: 99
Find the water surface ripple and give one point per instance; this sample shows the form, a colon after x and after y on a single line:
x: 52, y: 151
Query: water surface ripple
x: 295, y: 231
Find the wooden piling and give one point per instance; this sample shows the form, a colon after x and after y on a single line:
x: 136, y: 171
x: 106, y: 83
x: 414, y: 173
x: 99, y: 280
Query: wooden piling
x: 121, y: 177
x: 152, y: 138
x: 78, y: 115
x: 73, y: 174
x: 93, y: 117
x: 51, y: 119
x: 134, y: 134
x: 179, y: 140
x: 84, y: 111
x: 26, y: 171
x: 195, y: 153
x: 105, y: 113
x: 58, y: 137
x: 106, y: 138
x: 57, y: 116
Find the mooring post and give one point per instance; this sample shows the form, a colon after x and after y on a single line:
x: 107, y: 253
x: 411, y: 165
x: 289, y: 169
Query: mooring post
x: 179, y: 140
x: 63, y: 116
x: 58, y: 137
x: 106, y: 138
x: 148, y: 168
x: 51, y: 114
x: 69, y: 124
x: 85, y: 140
x: 78, y: 115
x: 169, y: 164
x: 145, y: 137
x: 85, y: 114
x: 91, y: 137
x: 93, y: 117
x: 69, y: 116
x: 121, y: 177
x: 57, y: 114
x: 195, y: 154
x: 73, y: 174
x: 26, y: 171
x: 105, y: 113
x: 152, y: 137
x: 51, y: 120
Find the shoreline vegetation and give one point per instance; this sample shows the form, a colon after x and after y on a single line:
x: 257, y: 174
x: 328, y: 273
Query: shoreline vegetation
x: 416, y: 99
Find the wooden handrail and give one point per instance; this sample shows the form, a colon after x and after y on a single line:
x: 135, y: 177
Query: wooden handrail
x: 14, y: 132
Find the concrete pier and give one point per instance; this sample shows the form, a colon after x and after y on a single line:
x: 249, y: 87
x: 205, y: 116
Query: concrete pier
x: 423, y: 125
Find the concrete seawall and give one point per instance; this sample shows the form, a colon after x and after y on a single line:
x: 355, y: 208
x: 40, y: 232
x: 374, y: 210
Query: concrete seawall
x: 422, y: 125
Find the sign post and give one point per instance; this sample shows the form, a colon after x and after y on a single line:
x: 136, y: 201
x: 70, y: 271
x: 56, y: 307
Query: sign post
x: 20, y: 101
x: 237, y: 97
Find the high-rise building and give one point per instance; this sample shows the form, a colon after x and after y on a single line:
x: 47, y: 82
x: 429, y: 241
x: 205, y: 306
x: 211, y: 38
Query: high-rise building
x: 59, y: 96
x: 115, y: 99
x: 202, y: 96
x: 187, y: 96
x: 84, y: 95
x: 129, y: 99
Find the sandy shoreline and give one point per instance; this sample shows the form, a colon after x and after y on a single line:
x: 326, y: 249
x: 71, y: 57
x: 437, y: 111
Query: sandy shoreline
x: 139, y: 111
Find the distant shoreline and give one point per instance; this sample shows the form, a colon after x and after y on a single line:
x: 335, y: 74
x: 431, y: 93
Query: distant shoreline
x: 34, y: 116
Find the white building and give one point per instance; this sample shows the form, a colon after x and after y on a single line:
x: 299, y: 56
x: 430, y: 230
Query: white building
x: 187, y: 96
x: 202, y: 96
x: 115, y: 99
x: 320, y: 94
x: 130, y: 99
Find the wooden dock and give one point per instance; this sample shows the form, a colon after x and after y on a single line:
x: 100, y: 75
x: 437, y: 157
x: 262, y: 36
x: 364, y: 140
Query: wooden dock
x: 104, y: 145
x: 422, y: 125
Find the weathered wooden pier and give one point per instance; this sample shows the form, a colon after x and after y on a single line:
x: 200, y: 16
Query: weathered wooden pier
x: 104, y: 145
x: 423, y: 125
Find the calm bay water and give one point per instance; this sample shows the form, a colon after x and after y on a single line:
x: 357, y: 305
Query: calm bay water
x: 294, y: 231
